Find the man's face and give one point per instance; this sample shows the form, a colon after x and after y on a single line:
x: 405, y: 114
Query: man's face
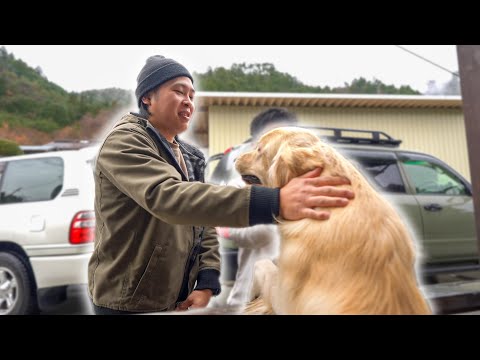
x: 172, y: 106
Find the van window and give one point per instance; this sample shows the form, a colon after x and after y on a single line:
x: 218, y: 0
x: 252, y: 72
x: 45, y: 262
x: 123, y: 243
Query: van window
x: 31, y: 180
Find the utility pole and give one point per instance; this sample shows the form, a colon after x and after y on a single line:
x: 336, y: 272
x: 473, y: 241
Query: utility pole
x: 469, y: 65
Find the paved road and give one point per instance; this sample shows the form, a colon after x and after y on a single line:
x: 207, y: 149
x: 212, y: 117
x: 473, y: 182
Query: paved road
x: 77, y: 303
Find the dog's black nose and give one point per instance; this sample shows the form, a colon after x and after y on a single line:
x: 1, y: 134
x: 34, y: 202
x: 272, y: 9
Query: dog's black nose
x: 251, y: 180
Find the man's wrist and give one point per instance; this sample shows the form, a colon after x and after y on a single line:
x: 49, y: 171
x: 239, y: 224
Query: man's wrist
x: 209, y: 279
x: 208, y: 291
x: 264, y: 205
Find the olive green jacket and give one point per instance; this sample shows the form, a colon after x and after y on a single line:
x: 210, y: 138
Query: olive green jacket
x: 149, y: 219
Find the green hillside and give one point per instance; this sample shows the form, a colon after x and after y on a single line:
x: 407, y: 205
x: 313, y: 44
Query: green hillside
x: 29, y: 100
x: 266, y: 78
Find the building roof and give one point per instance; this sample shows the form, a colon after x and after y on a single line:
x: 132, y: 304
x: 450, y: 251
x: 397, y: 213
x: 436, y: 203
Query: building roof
x: 207, y: 98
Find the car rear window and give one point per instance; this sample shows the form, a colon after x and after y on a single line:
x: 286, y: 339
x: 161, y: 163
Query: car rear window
x: 386, y: 175
x: 31, y: 180
x: 382, y: 170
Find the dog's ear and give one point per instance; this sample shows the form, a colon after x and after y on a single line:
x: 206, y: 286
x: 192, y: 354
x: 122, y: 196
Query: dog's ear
x: 292, y: 161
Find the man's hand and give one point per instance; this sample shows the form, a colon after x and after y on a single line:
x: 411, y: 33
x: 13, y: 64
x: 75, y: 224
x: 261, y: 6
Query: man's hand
x: 300, y: 197
x: 197, y: 299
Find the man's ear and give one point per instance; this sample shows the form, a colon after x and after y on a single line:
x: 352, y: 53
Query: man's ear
x: 146, y: 100
x: 292, y: 161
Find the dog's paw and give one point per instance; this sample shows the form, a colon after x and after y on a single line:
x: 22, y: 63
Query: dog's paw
x: 258, y: 307
x: 264, y: 277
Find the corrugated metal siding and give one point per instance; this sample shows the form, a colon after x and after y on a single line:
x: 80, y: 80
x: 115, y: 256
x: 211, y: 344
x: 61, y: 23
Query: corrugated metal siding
x: 228, y: 126
x: 437, y: 132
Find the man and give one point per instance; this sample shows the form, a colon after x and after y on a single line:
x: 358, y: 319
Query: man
x: 270, y: 119
x: 155, y: 245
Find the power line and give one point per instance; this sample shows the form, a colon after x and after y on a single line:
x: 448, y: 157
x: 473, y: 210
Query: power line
x: 429, y: 61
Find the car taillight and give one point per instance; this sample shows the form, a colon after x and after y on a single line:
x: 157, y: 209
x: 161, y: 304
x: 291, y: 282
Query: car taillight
x: 82, y: 229
x: 228, y: 150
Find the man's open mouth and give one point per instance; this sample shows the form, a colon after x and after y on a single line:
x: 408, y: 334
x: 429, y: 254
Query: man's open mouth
x: 251, y: 180
x: 185, y: 114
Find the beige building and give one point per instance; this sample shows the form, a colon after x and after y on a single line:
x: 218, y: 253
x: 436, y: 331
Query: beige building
x: 430, y: 124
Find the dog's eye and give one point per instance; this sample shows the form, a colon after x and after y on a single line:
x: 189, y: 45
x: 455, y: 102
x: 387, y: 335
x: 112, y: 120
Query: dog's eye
x: 259, y: 149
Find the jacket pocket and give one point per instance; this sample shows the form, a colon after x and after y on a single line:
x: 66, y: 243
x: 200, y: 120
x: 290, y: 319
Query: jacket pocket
x: 145, y: 280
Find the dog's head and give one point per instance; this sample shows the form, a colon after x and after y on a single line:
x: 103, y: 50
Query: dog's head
x: 280, y: 155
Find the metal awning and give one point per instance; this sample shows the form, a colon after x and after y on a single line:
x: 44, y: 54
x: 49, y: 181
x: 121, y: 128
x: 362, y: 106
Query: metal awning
x: 326, y: 100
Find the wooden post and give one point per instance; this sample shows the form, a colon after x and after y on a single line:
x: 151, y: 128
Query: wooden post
x: 469, y: 65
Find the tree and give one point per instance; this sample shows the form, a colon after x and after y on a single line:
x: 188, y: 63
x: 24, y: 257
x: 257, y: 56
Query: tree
x: 451, y: 87
x: 9, y: 148
x: 3, y: 85
x: 260, y: 77
x: 39, y: 71
x: 265, y: 78
x: 432, y: 88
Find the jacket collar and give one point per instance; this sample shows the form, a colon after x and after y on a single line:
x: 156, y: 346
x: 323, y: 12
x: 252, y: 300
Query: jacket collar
x: 160, y: 139
x: 186, y: 147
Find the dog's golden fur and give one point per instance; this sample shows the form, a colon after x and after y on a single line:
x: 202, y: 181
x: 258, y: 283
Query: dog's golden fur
x: 360, y: 261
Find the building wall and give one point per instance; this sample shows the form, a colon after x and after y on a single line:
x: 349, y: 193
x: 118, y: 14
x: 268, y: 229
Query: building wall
x: 439, y: 132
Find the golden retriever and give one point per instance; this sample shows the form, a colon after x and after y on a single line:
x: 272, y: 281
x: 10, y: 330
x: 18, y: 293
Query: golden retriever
x: 359, y: 261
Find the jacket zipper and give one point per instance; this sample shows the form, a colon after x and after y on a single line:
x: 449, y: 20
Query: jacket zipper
x: 190, y: 262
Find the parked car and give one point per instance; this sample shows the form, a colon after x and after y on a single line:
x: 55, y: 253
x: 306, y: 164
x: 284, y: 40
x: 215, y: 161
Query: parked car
x: 433, y: 199
x: 46, y: 226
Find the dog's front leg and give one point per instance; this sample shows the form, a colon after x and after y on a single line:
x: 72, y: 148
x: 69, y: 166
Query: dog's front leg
x: 264, y: 275
x: 262, y: 291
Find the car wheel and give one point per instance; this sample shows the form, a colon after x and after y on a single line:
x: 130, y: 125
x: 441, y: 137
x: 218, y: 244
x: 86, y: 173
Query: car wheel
x: 17, y: 290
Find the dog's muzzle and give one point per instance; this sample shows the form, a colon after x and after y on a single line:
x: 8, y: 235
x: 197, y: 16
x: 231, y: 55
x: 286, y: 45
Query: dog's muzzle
x: 251, y: 180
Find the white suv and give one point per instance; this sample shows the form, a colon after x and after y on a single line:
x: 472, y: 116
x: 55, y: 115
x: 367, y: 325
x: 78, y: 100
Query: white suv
x: 47, y: 225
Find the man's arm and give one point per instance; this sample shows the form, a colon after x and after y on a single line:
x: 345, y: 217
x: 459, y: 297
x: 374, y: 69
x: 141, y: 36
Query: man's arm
x: 209, y: 262
x: 132, y: 163
x: 208, y: 279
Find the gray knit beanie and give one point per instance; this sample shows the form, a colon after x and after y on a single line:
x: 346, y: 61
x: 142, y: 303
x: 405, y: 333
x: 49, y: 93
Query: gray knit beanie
x: 157, y: 70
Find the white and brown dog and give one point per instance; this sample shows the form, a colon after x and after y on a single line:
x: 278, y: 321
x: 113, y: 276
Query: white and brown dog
x: 359, y: 261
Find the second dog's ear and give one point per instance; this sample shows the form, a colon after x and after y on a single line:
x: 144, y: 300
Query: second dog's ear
x: 292, y: 161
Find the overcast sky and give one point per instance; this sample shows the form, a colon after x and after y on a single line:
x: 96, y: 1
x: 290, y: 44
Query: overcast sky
x: 85, y: 67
